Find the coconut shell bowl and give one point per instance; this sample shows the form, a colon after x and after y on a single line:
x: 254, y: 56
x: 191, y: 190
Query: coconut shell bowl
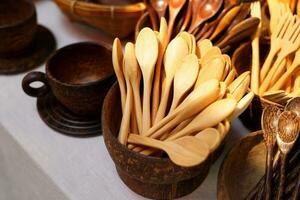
x: 151, y: 177
x: 24, y: 44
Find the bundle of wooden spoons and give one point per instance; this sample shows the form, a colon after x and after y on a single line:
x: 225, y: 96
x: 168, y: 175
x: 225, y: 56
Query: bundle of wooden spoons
x: 281, y: 130
x: 198, y: 94
x: 278, y: 78
x: 225, y: 22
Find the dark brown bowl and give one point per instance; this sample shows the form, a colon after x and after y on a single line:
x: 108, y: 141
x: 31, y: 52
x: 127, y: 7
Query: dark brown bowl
x: 79, y: 75
x: 242, y: 168
x: 151, y: 177
x: 242, y: 61
x: 18, y: 23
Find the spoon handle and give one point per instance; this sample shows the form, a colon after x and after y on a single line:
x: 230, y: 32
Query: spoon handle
x: 297, y: 187
x: 125, y: 123
x: 269, y: 172
x: 282, y: 177
x: 146, y: 141
x: 146, y: 105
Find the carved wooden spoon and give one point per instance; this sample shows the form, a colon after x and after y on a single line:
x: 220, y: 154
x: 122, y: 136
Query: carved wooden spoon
x: 186, y: 151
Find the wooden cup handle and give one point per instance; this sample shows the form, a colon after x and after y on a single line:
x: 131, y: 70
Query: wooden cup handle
x: 34, y: 77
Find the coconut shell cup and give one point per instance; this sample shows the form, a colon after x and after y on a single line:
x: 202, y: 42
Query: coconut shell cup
x: 242, y: 61
x: 151, y: 177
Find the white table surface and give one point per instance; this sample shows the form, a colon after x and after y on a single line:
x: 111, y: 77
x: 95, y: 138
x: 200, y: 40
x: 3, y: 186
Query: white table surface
x: 37, y: 163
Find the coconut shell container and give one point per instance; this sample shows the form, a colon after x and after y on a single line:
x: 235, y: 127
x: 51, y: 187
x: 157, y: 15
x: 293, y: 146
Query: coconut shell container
x: 162, y: 121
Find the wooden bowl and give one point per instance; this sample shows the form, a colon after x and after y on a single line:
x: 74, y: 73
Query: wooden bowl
x: 18, y: 24
x: 242, y: 61
x: 151, y: 177
x: 117, y: 20
x: 242, y: 168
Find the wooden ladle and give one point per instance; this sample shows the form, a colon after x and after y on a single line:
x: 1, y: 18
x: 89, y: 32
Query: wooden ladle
x: 146, y: 52
x: 204, y: 11
x: 186, y: 151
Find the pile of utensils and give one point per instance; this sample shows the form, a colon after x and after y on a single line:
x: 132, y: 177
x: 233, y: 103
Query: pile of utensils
x: 281, y: 132
x: 188, y: 95
x: 278, y: 79
x: 226, y: 23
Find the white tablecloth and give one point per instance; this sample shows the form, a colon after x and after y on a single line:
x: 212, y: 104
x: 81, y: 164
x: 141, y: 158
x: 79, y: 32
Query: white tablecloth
x: 37, y: 163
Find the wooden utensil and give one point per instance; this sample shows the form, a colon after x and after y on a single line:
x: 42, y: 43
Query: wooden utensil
x: 212, y: 69
x: 160, y: 7
x: 243, y: 13
x: 269, y: 122
x: 198, y: 99
x: 134, y: 75
x: 209, y: 54
x: 188, y: 15
x: 174, y: 8
x: 293, y: 105
x: 288, y: 129
x: 147, y: 42
x: 125, y: 123
x: 284, y: 78
x: 290, y: 43
x: 211, y: 137
x: 202, y: 47
x: 204, y: 11
x: 117, y: 58
x: 186, y: 151
x: 242, y: 105
x: 225, y: 21
x: 209, y: 117
x: 239, y: 32
x: 152, y: 15
x: 255, y: 12
x: 162, y: 36
x: 276, y: 40
x: 176, y: 51
x: 185, y: 77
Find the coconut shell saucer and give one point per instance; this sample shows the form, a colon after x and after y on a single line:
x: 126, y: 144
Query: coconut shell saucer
x: 57, y: 117
x: 40, y: 49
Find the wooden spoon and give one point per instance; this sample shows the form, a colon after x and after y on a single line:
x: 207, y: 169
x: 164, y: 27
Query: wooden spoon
x: 197, y: 100
x: 209, y: 117
x: 269, y: 122
x: 209, y: 55
x: 184, y: 79
x: 152, y: 15
x: 186, y: 151
x: 188, y: 15
x: 242, y: 105
x: 225, y: 21
x: 160, y: 7
x: 288, y: 132
x: 203, y: 47
x: 213, y: 69
x: 125, y: 123
x: 211, y: 137
x: 176, y: 51
x: 117, y: 58
x: 293, y: 105
x: 174, y: 8
x: 186, y: 36
x: 146, y: 53
x: 162, y: 36
x: 206, y: 10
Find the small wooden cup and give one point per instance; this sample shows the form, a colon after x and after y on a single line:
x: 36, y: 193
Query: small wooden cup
x: 242, y: 61
x: 79, y: 75
x: 151, y: 177
x: 18, y: 24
